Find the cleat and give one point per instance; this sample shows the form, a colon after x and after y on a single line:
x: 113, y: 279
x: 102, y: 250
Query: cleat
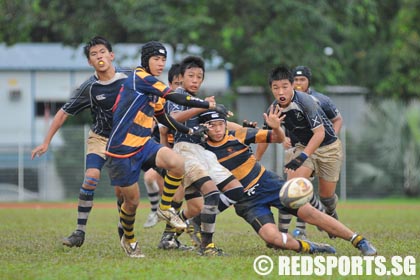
x: 314, y: 248
x: 75, y: 239
x: 131, y: 249
x: 364, y: 246
x: 211, y: 250
x: 171, y: 217
x: 152, y: 220
x: 194, y: 231
x: 120, y: 230
x: 169, y: 241
x: 299, y: 234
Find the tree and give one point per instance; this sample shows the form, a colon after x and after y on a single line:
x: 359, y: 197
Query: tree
x: 374, y: 43
x: 389, y: 150
x: 402, y: 81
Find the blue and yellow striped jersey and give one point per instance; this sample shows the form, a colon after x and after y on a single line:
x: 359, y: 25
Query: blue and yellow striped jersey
x: 234, y: 153
x: 140, y: 99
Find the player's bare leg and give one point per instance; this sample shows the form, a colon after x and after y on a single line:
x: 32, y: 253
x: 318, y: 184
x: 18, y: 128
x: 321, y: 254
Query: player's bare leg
x: 334, y: 227
x: 285, y: 218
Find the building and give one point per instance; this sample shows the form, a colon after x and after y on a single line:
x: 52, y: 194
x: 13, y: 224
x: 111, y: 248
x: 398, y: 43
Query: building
x: 36, y: 79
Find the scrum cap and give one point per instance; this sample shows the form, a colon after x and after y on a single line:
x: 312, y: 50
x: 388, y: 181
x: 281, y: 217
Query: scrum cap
x: 303, y: 71
x: 211, y: 116
x: 150, y: 49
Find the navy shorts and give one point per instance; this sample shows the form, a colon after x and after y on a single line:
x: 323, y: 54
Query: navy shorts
x: 257, y: 201
x: 124, y: 172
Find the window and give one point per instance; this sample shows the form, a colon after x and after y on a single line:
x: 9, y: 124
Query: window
x: 45, y: 108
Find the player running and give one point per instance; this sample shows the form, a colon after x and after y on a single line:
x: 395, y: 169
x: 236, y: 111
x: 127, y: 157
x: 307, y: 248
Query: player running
x: 130, y: 147
x: 98, y: 93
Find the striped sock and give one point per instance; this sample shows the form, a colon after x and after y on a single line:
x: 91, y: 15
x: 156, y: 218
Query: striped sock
x: 284, y: 221
x: 300, y: 224
x: 153, y: 195
x: 208, y: 217
x: 169, y: 188
x: 127, y: 222
x: 84, y: 207
x: 176, y: 205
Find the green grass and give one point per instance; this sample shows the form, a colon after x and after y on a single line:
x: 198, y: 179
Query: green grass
x: 30, y: 246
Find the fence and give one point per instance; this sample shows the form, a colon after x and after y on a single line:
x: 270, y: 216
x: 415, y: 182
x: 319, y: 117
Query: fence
x: 58, y: 174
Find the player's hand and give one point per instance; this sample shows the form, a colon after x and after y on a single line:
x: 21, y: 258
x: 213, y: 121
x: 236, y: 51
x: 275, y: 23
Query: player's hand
x: 296, y: 162
x: 287, y: 143
x: 221, y: 109
x: 274, y: 117
x: 39, y: 151
x: 198, y: 130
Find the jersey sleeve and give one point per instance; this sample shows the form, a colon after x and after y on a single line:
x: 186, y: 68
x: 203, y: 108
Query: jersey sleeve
x: 253, y: 135
x: 174, y: 107
x: 310, y: 109
x: 150, y: 84
x: 329, y: 108
x: 80, y: 98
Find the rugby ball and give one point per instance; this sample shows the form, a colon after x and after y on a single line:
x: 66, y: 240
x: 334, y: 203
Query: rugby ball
x: 296, y: 192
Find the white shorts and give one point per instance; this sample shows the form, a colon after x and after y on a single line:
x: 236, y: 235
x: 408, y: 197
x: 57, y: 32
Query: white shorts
x: 200, y: 163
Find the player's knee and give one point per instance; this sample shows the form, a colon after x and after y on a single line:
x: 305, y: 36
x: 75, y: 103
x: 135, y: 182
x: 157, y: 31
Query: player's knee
x: 211, y: 200
x: 330, y: 203
x: 234, y: 195
x: 176, y: 165
x: 90, y: 182
x: 194, y: 203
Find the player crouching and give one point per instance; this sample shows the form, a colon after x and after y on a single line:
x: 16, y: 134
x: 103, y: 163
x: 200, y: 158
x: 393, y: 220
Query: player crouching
x: 262, y: 186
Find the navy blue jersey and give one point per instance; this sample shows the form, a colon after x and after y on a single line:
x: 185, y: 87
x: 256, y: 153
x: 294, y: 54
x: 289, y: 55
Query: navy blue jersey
x: 194, y: 121
x: 140, y: 98
x: 326, y: 104
x: 234, y: 153
x: 302, y: 116
x: 100, y: 97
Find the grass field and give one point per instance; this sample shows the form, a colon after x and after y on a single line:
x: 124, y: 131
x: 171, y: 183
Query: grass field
x: 30, y: 244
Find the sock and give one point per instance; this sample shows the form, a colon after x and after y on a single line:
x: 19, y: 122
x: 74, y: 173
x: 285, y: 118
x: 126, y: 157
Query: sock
x: 284, y: 221
x: 208, y: 217
x: 153, y: 194
x: 316, y: 203
x: 176, y: 205
x: 119, y: 203
x: 304, y: 247
x: 127, y: 222
x: 84, y: 207
x: 169, y: 188
x: 300, y: 224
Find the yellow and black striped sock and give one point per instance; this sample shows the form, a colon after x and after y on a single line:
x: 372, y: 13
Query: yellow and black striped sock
x: 176, y: 205
x: 127, y: 222
x: 170, y: 186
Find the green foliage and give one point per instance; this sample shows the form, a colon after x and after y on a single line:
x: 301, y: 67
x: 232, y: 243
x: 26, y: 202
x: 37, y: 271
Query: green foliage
x: 403, y: 79
x: 31, y: 244
x: 375, y: 43
x: 389, y: 149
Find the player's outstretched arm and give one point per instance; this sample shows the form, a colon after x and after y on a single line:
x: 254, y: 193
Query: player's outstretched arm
x: 58, y: 121
x: 273, y: 120
x: 171, y: 123
x: 191, y: 101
